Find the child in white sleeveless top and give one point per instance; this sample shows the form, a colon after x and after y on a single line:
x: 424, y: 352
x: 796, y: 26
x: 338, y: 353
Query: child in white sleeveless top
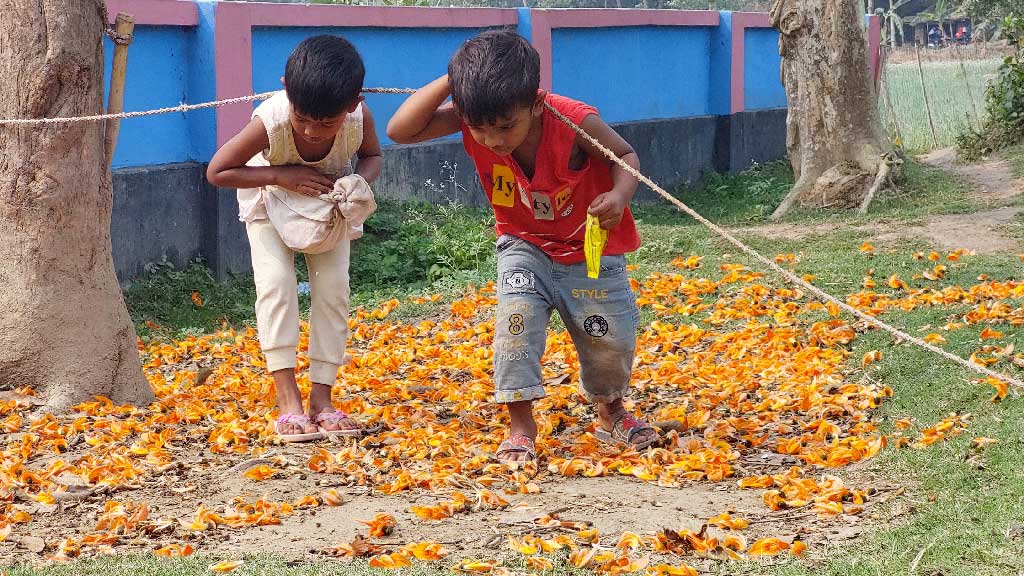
x: 299, y: 192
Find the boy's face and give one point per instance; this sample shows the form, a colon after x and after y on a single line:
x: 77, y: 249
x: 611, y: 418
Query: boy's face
x: 318, y: 131
x: 510, y: 130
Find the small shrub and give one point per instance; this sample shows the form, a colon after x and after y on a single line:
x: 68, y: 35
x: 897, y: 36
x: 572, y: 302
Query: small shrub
x: 1004, y: 103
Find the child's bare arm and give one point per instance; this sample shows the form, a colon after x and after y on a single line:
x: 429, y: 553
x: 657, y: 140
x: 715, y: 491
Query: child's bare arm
x: 423, y: 116
x: 610, y: 206
x: 227, y: 168
x: 370, y: 159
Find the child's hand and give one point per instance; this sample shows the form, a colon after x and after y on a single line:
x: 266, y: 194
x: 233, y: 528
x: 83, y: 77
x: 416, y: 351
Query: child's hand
x: 303, y: 180
x: 609, y: 208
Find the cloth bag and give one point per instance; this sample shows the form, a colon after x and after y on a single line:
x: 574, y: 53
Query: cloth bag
x: 314, y: 225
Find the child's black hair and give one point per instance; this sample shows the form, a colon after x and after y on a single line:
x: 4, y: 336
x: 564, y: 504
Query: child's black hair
x: 324, y: 75
x: 492, y: 74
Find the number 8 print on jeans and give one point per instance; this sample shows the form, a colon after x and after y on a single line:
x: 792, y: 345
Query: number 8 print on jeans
x: 600, y: 315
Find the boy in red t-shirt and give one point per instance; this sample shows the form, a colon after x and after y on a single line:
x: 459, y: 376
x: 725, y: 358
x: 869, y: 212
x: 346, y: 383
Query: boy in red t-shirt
x: 542, y: 180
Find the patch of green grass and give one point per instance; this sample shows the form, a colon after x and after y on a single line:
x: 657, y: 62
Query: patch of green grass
x: 1015, y: 156
x: 162, y: 306
x: 198, y: 565
x: 748, y: 198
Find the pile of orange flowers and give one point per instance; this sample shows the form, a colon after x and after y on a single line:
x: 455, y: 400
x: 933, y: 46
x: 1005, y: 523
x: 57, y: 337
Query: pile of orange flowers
x: 730, y: 367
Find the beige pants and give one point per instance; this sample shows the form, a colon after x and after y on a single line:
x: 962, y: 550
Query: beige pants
x: 277, y: 303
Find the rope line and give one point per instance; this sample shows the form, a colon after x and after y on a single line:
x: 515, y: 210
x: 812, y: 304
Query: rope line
x: 171, y: 109
x: 679, y: 204
x: 786, y: 274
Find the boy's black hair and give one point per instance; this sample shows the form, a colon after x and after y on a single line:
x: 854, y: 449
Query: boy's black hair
x: 492, y: 74
x: 324, y: 75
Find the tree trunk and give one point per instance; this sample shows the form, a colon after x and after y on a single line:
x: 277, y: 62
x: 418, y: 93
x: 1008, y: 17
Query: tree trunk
x: 834, y: 136
x: 64, y: 328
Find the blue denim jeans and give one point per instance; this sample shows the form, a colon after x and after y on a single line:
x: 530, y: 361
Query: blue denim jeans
x: 600, y: 314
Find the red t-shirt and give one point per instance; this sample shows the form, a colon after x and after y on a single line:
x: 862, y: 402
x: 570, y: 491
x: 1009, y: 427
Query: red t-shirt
x: 550, y: 210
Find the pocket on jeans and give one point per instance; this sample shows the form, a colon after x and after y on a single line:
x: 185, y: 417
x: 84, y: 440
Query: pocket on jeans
x: 505, y: 241
x: 613, y: 264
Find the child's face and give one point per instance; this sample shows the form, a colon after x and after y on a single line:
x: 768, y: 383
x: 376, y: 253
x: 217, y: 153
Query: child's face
x: 316, y: 131
x: 509, y: 131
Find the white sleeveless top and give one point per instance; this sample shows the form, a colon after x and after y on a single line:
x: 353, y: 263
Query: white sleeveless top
x: 274, y: 114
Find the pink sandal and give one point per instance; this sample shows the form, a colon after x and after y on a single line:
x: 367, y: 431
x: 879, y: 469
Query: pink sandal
x: 516, y: 444
x: 300, y: 420
x: 336, y: 418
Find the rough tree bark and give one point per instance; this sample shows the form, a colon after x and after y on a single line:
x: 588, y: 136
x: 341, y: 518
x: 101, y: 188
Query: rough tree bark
x: 834, y: 136
x: 64, y: 328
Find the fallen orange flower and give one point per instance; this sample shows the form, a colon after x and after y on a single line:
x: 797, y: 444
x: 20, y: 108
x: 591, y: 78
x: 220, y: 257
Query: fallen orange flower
x: 767, y: 547
x: 226, y: 566
x: 381, y: 525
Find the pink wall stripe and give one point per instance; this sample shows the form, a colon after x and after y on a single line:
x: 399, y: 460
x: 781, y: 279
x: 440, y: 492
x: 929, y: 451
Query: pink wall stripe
x: 156, y: 12
x: 740, y: 22
x: 379, y: 16
x: 232, y: 53
x: 540, y: 37
x: 874, y: 45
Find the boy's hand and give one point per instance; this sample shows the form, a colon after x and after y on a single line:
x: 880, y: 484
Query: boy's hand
x: 303, y: 180
x: 609, y: 208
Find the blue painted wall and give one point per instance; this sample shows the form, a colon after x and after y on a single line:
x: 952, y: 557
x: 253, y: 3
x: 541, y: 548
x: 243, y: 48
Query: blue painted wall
x: 653, y: 72
x: 762, y: 83
x: 158, y: 71
x: 634, y: 73
x: 396, y: 58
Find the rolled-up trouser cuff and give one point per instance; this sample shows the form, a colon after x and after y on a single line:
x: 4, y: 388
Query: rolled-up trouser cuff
x: 603, y: 398
x: 280, y: 358
x: 519, y: 394
x: 321, y: 372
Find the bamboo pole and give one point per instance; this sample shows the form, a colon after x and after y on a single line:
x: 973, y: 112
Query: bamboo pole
x: 124, y: 26
x: 927, y: 104
x: 967, y: 82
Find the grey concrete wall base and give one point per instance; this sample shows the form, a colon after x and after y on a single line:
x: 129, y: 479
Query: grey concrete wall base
x: 672, y: 152
x: 433, y: 172
x: 159, y: 213
x: 756, y: 137
x: 170, y: 211
x: 226, y: 244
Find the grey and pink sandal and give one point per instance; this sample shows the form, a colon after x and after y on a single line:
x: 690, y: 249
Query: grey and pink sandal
x: 514, y: 445
x: 624, y: 431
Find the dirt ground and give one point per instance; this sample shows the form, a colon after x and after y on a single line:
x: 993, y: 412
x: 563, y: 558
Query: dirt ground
x: 611, y: 504
x: 991, y: 181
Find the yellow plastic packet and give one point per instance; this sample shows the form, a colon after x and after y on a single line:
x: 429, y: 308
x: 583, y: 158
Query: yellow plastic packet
x: 593, y: 245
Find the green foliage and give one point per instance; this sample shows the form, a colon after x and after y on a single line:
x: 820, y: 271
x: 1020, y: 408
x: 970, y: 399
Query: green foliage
x: 404, y: 248
x: 1004, y: 102
x: 162, y: 305
x: 412, y: 245
x: 985, y: 9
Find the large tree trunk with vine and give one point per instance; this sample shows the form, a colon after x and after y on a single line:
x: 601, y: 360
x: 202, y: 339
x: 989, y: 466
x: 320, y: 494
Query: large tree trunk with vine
x: 834, y: 136
x: 64, y: 328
